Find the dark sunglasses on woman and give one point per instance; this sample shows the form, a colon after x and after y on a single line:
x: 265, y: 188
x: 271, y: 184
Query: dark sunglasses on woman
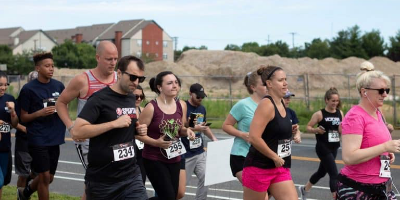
x: 380, y: 91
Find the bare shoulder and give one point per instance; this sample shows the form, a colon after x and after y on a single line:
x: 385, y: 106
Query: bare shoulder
x: 317, y: 115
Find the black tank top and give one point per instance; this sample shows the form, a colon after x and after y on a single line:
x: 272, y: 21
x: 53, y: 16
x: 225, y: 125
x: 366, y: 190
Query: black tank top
x: 331, y: 122
x: 278, y: 130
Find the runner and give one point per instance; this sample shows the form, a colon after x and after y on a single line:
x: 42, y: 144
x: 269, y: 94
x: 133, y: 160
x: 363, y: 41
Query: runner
x: 267, y: 165
x: 22, y: 158
x: 293, y: 117
x: 162, y: 152
x: 368, y: 148
x: 84, y: 85
x: 44, y: 128
x: 328, y: 141
x: 109, y: 119
x: 195, y: 157
x: 8, y: 119
x: 242, y: 113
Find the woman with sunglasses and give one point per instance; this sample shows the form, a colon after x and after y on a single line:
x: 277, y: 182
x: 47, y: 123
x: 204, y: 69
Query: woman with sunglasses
x: 164, y: 117
x: 139, y: 96
x: 367, y: 146
x: 8, y: 120
x: 327, y: 133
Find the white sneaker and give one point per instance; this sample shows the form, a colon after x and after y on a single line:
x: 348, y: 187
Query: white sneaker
x: 303, y: 193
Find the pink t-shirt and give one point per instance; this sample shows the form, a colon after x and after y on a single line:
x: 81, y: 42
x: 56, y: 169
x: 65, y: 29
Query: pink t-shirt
x: 374, y: 132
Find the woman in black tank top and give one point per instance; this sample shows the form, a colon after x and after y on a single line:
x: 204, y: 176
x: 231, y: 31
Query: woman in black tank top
x: 267, y: 164
x: 328, y: 141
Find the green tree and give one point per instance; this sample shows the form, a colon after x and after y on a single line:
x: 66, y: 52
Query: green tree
x: 394, y: 48
x: 317, y: 49
x: 373, y: 43
x: 23, y: 63
x: 232, y: 47
x: 6, y: 56
x: 279, y: 47
x: 78, y: 56
x: 348, y: 43
x: 251, y: 47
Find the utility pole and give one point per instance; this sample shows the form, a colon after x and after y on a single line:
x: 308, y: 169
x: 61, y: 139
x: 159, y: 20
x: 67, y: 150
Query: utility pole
x: 176, y: 42
x: 293, y: 33
x: 268, y: 40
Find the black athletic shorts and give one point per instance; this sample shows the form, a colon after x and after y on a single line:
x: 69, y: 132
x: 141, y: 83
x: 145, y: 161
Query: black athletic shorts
x: 44, y: 158
x: 236, y: 164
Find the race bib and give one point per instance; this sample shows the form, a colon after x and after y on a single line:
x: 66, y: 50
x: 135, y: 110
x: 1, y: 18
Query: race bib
x: 195, y: 143
x: 333, y: 136
x: 139, y: 144
x: 384, y: 172
x: 176, y: 149
x: 5, y: 128
x: 284, y: 148
x: 123, y: 151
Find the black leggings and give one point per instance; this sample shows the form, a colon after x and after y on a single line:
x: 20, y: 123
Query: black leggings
x: 327, y: 165
x: 164, y: 178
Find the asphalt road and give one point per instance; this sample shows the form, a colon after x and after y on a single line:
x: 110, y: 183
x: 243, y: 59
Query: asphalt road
x: 70, y: 173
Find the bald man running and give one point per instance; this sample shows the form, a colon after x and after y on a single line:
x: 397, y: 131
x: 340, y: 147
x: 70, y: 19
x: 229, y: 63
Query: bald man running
x: 84, y: 85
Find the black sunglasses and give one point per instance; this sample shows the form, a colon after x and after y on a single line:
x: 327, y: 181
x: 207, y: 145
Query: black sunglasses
x: 139, y: 96
x: 380, y: 91
x: 197, y: 97
x: 134, y: 77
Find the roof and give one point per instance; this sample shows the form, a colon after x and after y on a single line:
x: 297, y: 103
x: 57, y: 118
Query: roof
x: 6, y: 35
x: 124, y: 26
x: 26, y: 35
x: 61, y: 35
x: 89, y: 33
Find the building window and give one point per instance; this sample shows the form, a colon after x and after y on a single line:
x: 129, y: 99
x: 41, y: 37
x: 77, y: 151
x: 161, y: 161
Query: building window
x: 165, y: 44
x: 147, y: 54
x: 139, y: 43
x: 165, y: 56
x: 138, y: 54
x: 156, y: 42
x: 156, y: 55
x: 147, y: 42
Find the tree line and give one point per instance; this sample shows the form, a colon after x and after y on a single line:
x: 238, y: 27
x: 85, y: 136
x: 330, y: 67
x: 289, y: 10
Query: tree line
x: 349, y: 42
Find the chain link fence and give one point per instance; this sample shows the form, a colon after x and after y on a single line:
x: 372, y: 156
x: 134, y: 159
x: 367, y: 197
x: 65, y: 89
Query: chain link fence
x: 307, y: 87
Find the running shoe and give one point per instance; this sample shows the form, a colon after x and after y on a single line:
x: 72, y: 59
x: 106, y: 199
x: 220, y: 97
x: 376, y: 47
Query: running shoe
x: 303, y: 193
x: 20, y: 194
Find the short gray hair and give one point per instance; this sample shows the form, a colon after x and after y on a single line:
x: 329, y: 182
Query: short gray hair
x: 364, y: 79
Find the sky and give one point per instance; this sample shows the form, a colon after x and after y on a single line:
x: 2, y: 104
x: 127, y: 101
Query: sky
x: 213, y: 23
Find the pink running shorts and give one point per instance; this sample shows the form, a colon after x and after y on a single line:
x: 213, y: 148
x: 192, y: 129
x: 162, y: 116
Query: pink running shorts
x: 259, y: 179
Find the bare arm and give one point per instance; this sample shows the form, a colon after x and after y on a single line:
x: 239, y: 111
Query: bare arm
x: 21, y: 127
x: 210, y: 134
x: 316, y: 117
x: 84, y: 130
x: 229, y: 127
x: 71, y: 92
x: 262, y: 116
x: 26, y: 117
x: 13, y: 115
x: 352, y: 154
x: 185, y: 131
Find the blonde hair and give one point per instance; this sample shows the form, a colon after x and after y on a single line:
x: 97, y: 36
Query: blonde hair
x: 367, y: 66
x: 365, y: 78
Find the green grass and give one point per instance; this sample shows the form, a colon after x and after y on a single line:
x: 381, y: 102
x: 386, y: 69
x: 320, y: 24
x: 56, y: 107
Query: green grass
x: 10, y: 193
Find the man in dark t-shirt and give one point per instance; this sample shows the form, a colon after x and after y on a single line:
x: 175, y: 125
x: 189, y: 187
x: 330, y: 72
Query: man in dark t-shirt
x: 109, y: 119
x: 195, y: 157
x: 44, y: 128
x: 293, y: 117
